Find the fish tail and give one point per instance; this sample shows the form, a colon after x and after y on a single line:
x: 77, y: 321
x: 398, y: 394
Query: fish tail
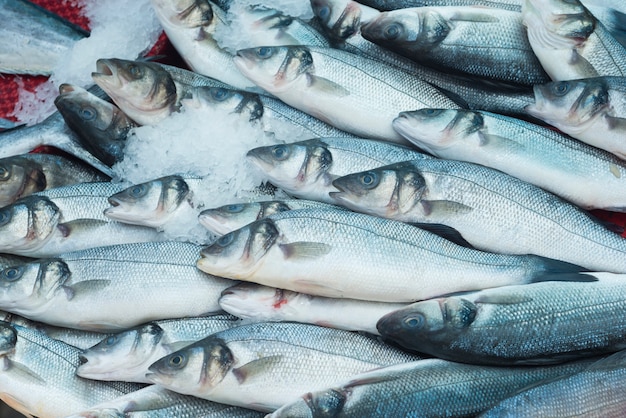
x: 556, y: 270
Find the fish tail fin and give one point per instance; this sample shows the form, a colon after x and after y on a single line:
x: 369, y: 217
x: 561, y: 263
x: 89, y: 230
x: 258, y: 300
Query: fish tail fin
x: 564, y: 277
x: 556, y: 270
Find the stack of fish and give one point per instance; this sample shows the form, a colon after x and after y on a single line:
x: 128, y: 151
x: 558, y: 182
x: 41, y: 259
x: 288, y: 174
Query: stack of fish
x: 431, y: 255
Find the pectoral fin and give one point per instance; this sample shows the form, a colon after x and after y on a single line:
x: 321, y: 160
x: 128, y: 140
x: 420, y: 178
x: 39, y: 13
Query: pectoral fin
x: 304, y: 249
x: 444, y: 208
x: 326, y: 86
x: 22, y: 372
x: 263, y: 367
x: 502, y: 299
x: 85, y: 288
x: 474, y: 16
x: 314, y: 288
x: 498, y: 143
x: 615, y: 123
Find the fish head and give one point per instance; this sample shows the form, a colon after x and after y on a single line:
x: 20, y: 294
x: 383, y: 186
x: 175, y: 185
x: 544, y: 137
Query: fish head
x: 326, y: 403
x: 122, y: 355
x: 560, y: 23
x: 227, y: 218
x: 27, y: 223
x: 275, y: 68
x: 8, y: 338
x: 195, y: 369
x: 237, y: 254
x: 184, y: 13
x: 251, y: 300
x: 295, y: 167
x: 391, y: 191
x: 151, y: 203
x: 19, y: 177
x: 143, y: 90
x: 341, y: 19
x: 248, y: 105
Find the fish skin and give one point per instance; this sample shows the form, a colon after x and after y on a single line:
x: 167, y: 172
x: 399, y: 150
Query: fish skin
x: 364, y: 257
x: 261, y: 366
x: 126, y: 356
x: 306, y: 169
x: 113, y: 287
x: 591, y: 110
x: 579, y: 173
x: 38, y: 378
x: 425, y: 388
x: 597, y: 390
x: 492, y: 43
x: 323, y: 82
x: 23, y: 175
x: 536, y: 324
x: 101, y: 127
x: 258, y: 303
x: 515, y: 217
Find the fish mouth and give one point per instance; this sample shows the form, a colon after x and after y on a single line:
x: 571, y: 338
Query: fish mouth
x: 114, y: 202
x: 106, y: 72
x: 66, y: 88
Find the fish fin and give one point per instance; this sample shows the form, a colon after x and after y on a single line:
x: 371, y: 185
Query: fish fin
x: 67, y: 228
x: 325, y: 85
x: 256, y: 367
x: 502, y: 299
x: 377, y: 375
x: 615, y: 22
x: 444, y: 208
x: 615, y: 123
x: 612, y: 362
x: 446, y: 232
x: 565, y: 277
x: 86, y: 287
x: 304, y: 249
x: 23, y: 372
x: 313, y: 288
x: 473, y: 16
x: 581, y: 65
x: 498, y: 142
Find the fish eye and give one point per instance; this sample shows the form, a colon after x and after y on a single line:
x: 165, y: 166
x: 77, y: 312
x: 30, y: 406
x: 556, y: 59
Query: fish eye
x: 234, y: 208
x: 432, y: 112
x: 369, y: 179
x: 5, y: 173
x: 280, y: 152
x: 219, y: 94
x: 110, y: 340
x: 392, y: 31
x: 416, y: 321
x: 225, y: 240
x: 88, y: 113
x: 138, y: 190
x: 134, y: 70
x: 12, y: 273
x: 323, y: 13
x: 5, y: 217
x: 177, y: 361
x: 560, y: 89
x: 264, y: 52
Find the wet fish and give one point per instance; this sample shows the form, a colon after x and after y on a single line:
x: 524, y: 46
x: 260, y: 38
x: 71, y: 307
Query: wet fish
x: 581, y: 174
x: 35, y: 39
x: 261, y: 303
x: 483, y: 42
x: 228, y: 218
x: 26, y: 174
x: 510, y: 212
x: 113, y: 287
x: 127, y: 355
x: 306, y: 169
x: 101, y: 127
x: 344, y: 254
x: 38, y: 378
x: 8, y: 339
x: 537, y: 324
x: 570, y: 42
x: 592, y: 110
x: 425, y: 388
x: 324, y: 82
x: 261, y: 366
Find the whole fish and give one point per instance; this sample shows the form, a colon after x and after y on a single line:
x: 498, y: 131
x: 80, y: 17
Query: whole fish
x: 261, y: 303
x: 324, y: 82
x: 23, y: 175
x: 483, y: 42
x: 592, y: 110
x: 570, y: 42
x: 261, y: 366
x: 350, y: 255
x: 306, y: 169
x: 228, y: 218
x: 35, y: 39
x: 113, y: 287
x: 515, y: 217
x: 38, y: 378
x: 536, y: 324
x: 100, y: 126
x: 584, y: 175
x: 425, y: 388
x: 594, y: 391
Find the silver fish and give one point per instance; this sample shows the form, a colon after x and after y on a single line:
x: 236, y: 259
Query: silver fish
x: 536, y: 324
x: 306, y: 169
x: 345, y: 254
x: 240, y: 366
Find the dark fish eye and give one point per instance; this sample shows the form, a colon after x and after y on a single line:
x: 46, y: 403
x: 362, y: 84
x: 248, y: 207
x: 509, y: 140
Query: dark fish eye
x: 138, y: 190
x: 110, y: 340
x: 560, y: 89
x: 219, y: 94
x: 415, y: 321
x: 134, y: 70
x: 12, y: 273
x: 392, y: 31
x: 88, y: 113
x: 177, y: 361
x: 225, y: 240
x: 432, y: 112
x: 323, y: 13
x: 5, y: 173
x: 234, y: 208
x: 264, y: 52
x: 369, y: 179
x: 280, y: 152
x: 5, y: 217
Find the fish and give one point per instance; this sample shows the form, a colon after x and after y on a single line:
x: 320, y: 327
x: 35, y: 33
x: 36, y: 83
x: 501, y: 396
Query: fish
x: 510, y: 212
x: 483, y: 42
x: 101, y: 127
x: 8, y: 339
x: 23, y: 175
x: 570, y: 42
x: 227, y: 218
x: 261, y: 366
x: 306, y: 169
x: 584, y: 175
x: 323, y: 82
x: 592, y: 110
x: 535, y: 324
x: 126, y: 356
x: 38, y: 378
x: 424, y: 388
x: 254, y: 302
x: 40, y: 48
x: 596, y: 390
x: 344, y: 254
x: 113, y: 287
